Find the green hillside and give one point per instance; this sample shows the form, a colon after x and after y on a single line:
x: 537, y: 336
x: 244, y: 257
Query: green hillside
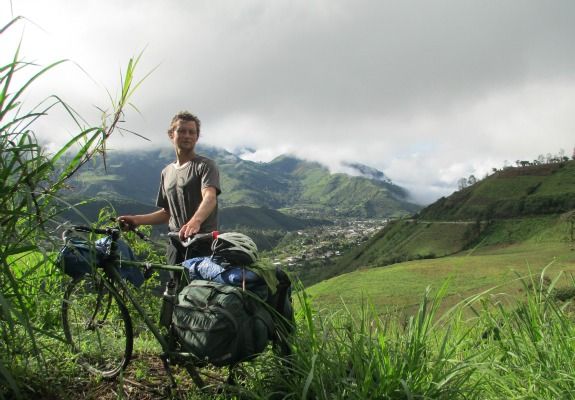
x: 292, y: 185
x: 507, y: 249
x: 531, y: 225
x: 504, y: 208
x: 263, y: 218
x: 347, y: 195
x: 512, y: 192
x: 246, y: 183
x: 404, y: 240
x: 399, y: 286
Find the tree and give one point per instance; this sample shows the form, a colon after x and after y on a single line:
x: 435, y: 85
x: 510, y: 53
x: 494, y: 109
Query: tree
x: 472, y: 180
x: 541, y: 159
x: 462, y: 183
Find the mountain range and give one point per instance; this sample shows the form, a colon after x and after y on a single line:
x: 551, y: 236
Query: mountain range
x: 302, y: 189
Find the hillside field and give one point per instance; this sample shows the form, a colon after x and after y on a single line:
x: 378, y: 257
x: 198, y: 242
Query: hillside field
x: 494, y: 265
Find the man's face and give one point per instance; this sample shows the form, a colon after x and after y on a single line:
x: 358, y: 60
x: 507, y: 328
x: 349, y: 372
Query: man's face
x: 185, y: 135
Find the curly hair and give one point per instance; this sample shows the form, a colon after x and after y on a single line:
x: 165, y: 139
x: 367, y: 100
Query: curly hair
x: 184, y: 116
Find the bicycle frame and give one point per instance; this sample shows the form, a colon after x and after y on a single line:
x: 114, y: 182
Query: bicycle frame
x: 117, y: 280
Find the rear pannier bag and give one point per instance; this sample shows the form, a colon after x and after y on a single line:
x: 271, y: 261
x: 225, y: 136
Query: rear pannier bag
x: 221, y: 324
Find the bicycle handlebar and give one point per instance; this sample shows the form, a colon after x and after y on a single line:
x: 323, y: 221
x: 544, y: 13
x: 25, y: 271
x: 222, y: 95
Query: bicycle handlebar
x: 193, y: 239
x: 88, y: 229
x: 173, y: 235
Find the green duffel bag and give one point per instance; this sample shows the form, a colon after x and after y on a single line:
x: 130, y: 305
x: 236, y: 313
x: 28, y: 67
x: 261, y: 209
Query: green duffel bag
x: 221, y: 324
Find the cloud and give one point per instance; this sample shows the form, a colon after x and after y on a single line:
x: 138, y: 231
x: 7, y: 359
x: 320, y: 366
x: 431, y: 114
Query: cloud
x: 427, y: 92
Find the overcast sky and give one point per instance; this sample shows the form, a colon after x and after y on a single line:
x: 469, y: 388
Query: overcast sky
x: 426, y: 91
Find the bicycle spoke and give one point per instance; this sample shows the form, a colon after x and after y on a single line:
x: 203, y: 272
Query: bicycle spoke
x: 97, y: 325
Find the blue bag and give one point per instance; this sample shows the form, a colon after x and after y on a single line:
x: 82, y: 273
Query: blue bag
x: 78, y: 257
x: 132, y: 274
x: 205, y: 268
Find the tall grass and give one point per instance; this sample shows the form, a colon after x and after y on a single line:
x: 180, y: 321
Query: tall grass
x: 30, y: 180
x: 342, y: 355
x: 535, y: 346
x: 521, y: 350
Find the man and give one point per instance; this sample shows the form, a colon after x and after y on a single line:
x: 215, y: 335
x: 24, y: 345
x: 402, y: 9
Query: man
x: 188, y: 190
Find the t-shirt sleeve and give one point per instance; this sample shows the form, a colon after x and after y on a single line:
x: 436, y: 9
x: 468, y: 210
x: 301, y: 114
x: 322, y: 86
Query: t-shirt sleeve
x: 211, y: 176
x: 162, y: 200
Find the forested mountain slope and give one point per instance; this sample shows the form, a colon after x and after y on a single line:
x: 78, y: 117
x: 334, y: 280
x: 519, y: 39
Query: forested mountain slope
x: 287, y: 184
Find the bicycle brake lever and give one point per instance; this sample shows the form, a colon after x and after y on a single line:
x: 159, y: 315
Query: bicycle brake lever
x: 192, y: 239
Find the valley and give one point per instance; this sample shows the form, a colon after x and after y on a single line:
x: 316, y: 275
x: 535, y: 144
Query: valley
x: 308, y: 253
x: 482, y: 239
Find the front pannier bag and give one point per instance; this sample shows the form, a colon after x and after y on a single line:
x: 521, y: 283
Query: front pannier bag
x: 221, y: 324
x: 77, y: 257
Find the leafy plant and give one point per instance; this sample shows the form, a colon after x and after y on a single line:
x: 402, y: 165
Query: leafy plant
x: 30, y: 180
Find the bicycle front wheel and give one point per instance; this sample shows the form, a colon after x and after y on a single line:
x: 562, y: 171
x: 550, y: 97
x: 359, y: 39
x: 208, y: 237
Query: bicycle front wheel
x: 97, y: 325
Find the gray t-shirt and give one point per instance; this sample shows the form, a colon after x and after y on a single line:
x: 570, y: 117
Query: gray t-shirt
x: 180, y: 191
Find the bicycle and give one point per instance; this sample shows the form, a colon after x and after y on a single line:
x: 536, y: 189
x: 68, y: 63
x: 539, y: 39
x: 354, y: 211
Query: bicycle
x: 97, y: 322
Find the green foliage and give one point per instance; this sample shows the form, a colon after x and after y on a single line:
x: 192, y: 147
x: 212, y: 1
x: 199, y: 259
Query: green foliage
x: 30, y: 181
x: 360, y: 356
x: 533, y: 345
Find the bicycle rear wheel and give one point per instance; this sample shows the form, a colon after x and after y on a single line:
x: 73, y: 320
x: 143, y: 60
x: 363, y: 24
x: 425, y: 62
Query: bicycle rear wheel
x: 97, y: 325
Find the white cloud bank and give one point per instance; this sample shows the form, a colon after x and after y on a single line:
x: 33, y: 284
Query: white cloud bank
x: 428, y: 92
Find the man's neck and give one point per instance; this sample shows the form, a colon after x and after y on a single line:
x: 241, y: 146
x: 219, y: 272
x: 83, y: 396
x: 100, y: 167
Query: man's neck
x: 184, y: 156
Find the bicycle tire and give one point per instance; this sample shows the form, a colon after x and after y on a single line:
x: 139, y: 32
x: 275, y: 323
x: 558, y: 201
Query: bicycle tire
x: 97, y: 325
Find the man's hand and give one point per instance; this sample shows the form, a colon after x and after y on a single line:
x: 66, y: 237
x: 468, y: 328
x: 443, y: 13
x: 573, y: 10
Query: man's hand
x: 190, y: 229
x: 127, y: 222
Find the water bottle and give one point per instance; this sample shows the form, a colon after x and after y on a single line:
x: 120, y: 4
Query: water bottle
x: 168, y: 300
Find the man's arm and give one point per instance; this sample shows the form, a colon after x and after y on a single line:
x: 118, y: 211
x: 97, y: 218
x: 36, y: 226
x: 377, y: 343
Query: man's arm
x: 206, y: 207
x: 162, y: 216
